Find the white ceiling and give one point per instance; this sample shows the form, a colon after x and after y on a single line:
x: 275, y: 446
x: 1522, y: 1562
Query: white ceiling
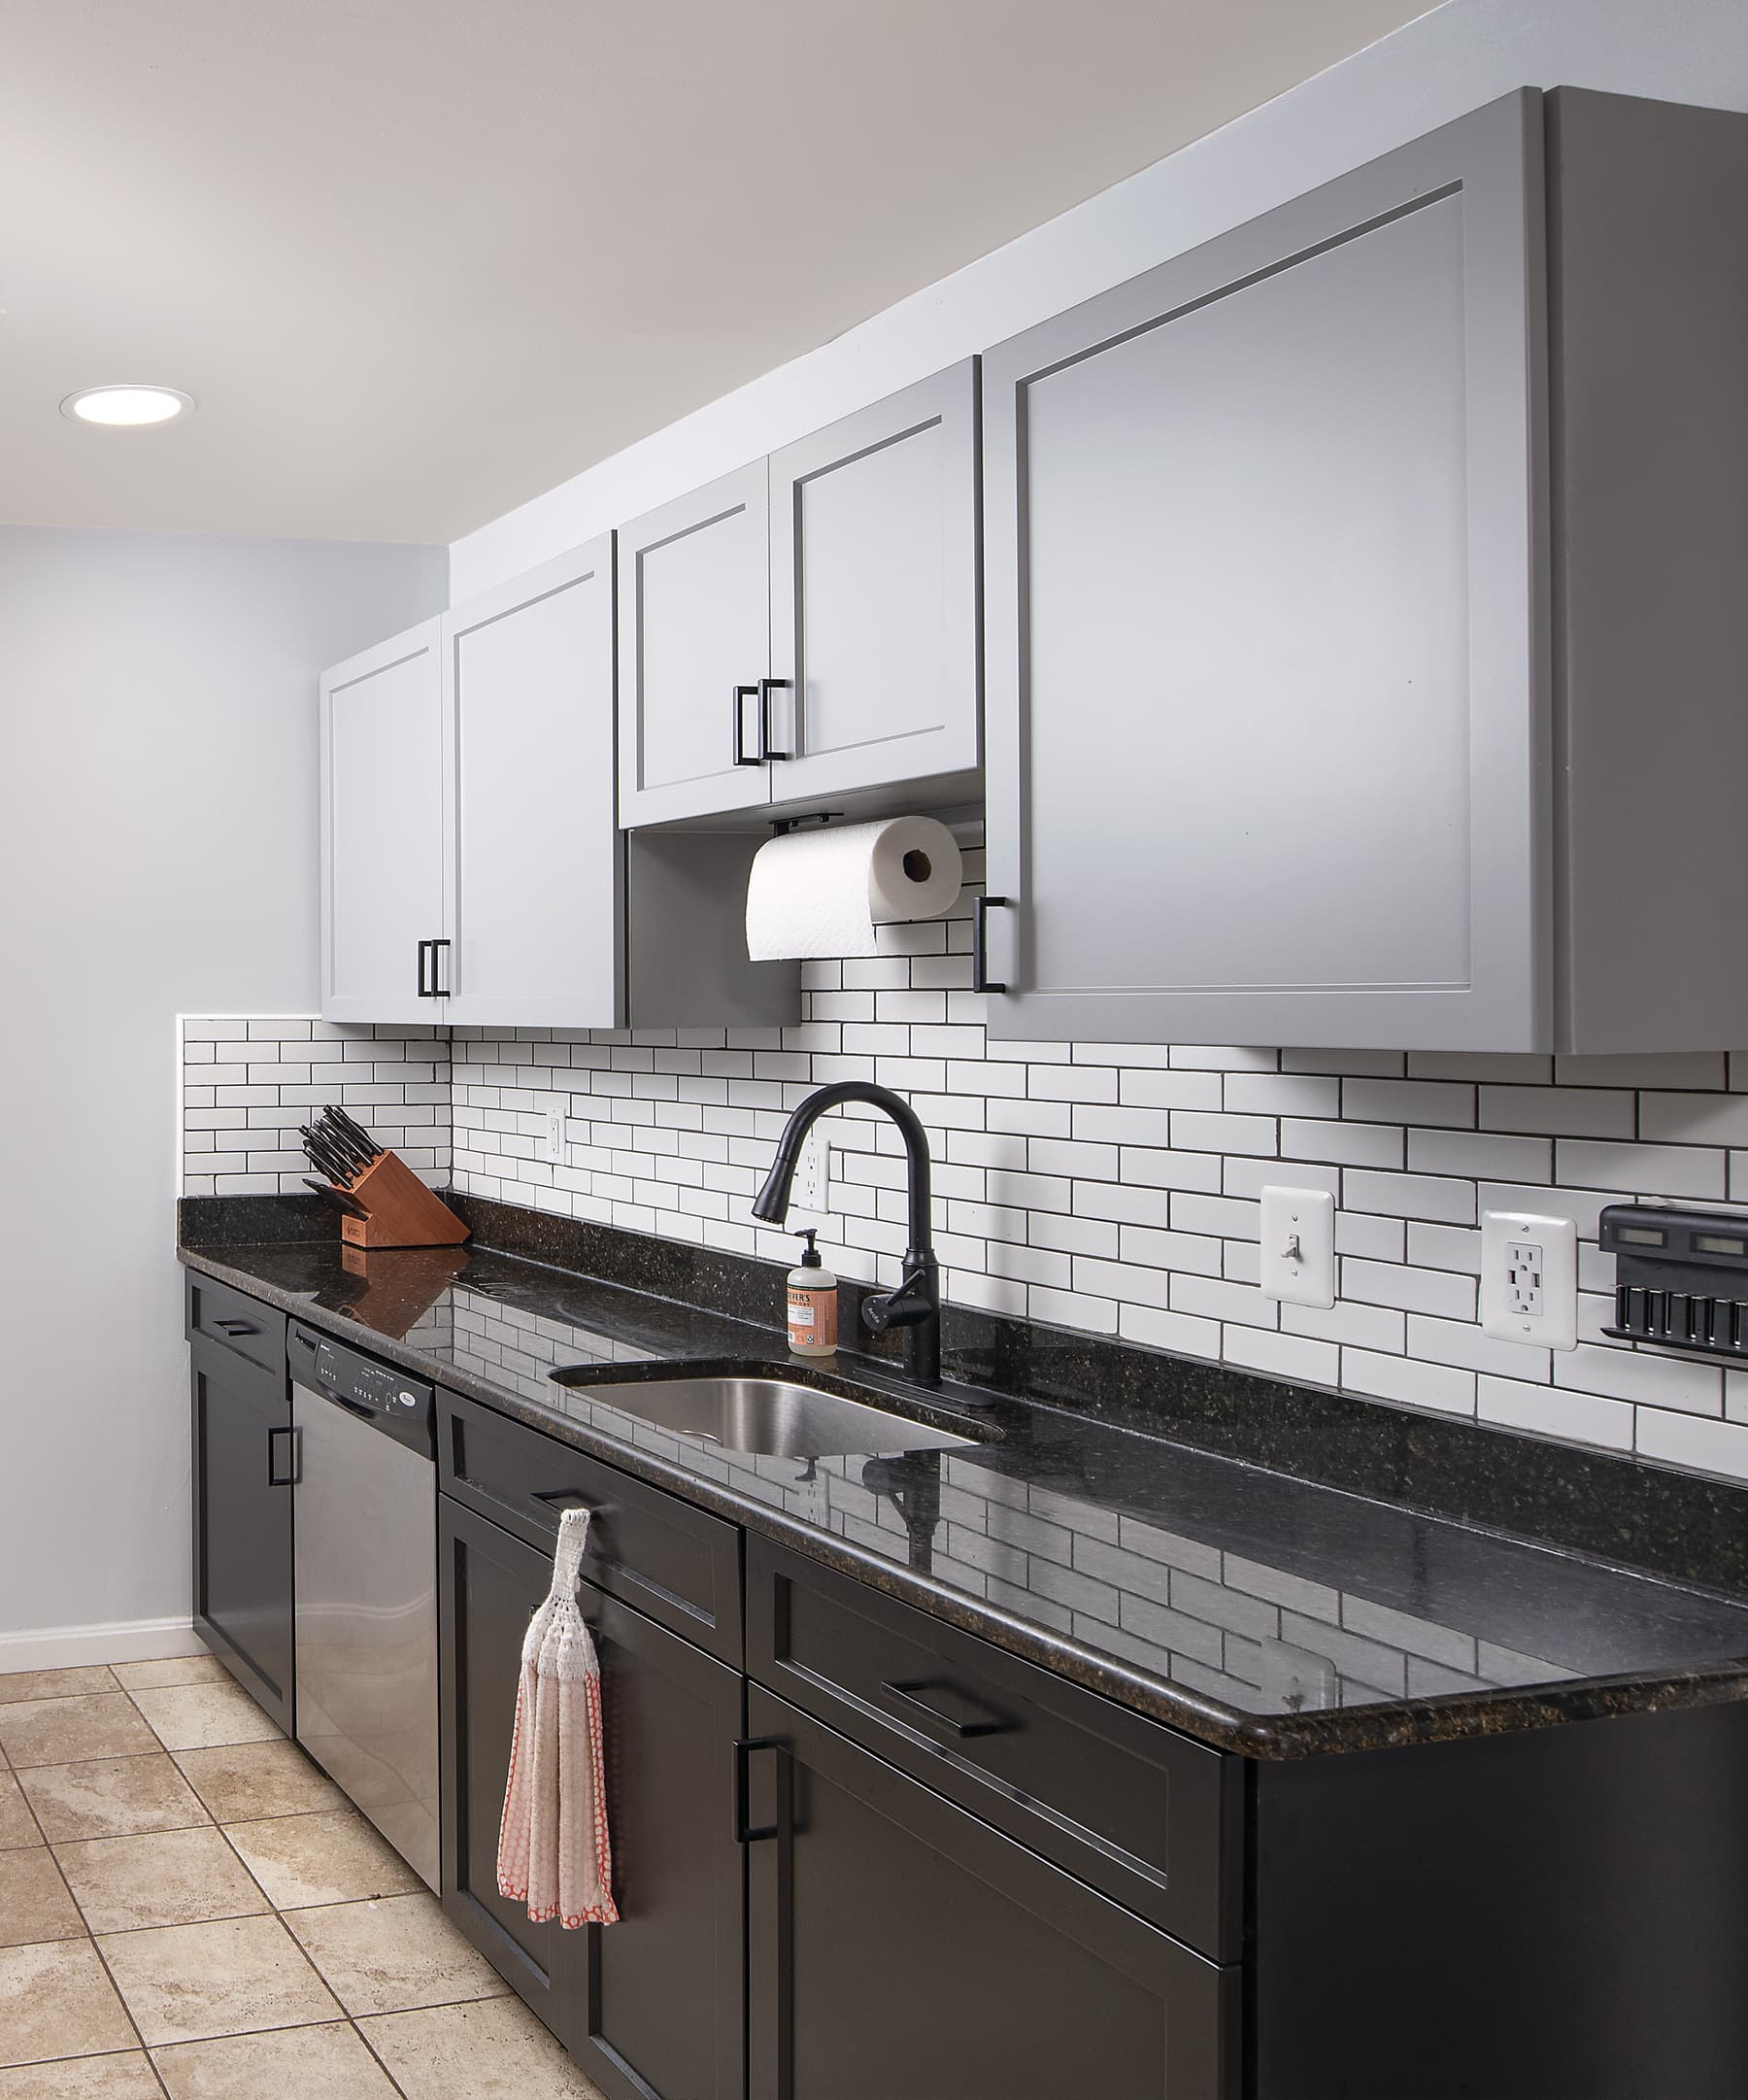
x: 420, y: 259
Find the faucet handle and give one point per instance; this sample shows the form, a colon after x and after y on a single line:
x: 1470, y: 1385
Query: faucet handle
x: 912, y: 1300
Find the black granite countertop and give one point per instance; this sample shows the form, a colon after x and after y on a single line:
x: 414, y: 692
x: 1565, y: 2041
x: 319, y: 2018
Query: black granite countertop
x: 1251, y: 1606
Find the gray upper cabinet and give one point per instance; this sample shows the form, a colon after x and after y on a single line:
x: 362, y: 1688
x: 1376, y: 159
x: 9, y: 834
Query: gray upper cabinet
x: 534, y: 857
x: 1356, y: 677
x: 874, y: 595
x: 694, y: 646
x: 808, y: 627
x: 382, y: 829
x: 473, y: 870
x: 1267, y: 721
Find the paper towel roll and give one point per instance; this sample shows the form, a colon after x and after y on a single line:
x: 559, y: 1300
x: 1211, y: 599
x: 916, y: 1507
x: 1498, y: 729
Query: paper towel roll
x: 821, y: 892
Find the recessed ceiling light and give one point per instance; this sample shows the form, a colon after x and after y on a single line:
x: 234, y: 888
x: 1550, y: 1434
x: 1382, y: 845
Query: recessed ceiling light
x: 127, y: 407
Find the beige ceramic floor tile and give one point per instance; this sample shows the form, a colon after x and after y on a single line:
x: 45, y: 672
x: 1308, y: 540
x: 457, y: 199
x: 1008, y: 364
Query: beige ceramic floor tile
x: 34, y: 1903
x: 113, y: 1798
x: 170, y: 1878
x: 497, y: 2051
x: 17, y: 1826
x: 173, y: 1669
x: 84, y: 2077
x: 244, y: 1781
x: 302, y: 1860
x: 293, y: 2063
x: 54, y: 1684
x: 389, y: 1956
x: 61, y: 1731
x: 55, y: 2000
x: 187, y: 1982
x: 202, y: 1716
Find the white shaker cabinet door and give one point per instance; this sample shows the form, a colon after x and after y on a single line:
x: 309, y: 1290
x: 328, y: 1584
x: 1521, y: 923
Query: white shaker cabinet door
x: 694, y: 654
x: 382, y: 832
x: 535, y: 855
x: 1267, y: 711
x: 874, y: 595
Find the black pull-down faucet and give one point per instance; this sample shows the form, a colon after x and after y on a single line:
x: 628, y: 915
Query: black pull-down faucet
x: 915, y: 1305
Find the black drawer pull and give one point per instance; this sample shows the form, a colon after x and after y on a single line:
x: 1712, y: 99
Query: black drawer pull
x: 744, y: 1833
x: 569, y: 1497
x: 293, y: 1457
x: 234, y: 1328
x: 908, y: 1693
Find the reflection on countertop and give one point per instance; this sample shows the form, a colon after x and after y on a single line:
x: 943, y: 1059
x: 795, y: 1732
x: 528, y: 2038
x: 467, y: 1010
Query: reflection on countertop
x: 1254, y: 1608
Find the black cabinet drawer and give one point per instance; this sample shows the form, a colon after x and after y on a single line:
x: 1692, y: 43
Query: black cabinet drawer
x: 1146, y: 1815
x: 242, y: 1325
x: 679, y: 1564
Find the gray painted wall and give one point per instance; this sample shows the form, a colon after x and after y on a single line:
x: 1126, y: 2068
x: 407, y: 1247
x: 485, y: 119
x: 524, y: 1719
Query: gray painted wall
x: 157, y: 855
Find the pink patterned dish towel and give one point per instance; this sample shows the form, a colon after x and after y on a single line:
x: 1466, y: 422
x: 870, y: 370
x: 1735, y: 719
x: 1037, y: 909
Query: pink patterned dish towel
x: 552, y: 1849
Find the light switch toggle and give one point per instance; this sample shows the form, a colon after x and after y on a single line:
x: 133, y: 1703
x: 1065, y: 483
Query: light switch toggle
x: 1299, y: 1245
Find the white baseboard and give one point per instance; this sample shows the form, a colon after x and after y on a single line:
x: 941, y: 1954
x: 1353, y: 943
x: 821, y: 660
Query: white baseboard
x: 125, y: 1641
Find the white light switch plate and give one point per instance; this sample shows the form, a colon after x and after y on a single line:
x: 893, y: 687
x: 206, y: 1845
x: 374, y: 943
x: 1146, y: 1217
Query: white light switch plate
x: 549, y: 1145
x: 1299, y: 1245
x: 1530, y: 1279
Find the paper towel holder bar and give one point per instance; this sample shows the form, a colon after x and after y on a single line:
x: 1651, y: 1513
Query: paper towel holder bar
x: 781, y: 827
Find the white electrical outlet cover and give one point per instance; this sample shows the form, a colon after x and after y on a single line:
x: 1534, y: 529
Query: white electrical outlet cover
x: 1298, y: 1246
x: 551, y: 1145
x: 1527, y: 1259
x: 811, y: 1171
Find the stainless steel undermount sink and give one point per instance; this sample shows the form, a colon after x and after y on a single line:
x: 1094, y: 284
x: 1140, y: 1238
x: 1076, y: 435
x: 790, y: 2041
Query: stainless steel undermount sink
x: 771, y: 1417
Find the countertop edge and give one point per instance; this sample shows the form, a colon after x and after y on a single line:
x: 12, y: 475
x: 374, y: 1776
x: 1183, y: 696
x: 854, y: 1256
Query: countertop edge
x: 1327, y: 1732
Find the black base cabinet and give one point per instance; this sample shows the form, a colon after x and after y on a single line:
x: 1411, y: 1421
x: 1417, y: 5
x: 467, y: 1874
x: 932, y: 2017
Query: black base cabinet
x: 241, y: 1424
x: 899, y: 1947
x: 652, y: 2008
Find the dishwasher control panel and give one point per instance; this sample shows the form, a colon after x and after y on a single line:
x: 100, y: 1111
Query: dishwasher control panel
x: 403, y: 1406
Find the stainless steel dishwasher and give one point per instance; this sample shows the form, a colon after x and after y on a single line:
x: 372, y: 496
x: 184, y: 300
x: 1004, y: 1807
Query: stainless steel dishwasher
x: 365, y: 1528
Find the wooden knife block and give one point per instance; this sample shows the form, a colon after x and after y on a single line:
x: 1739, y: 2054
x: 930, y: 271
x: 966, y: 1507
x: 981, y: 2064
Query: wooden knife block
x: 403, y: 1212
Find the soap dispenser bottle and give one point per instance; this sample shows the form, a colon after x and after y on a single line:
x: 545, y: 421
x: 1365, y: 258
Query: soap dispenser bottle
x: 813, y: 1306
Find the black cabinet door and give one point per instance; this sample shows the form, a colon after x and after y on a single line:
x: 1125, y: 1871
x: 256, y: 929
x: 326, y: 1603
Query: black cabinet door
x: 243, y: 1468
x: 653, y: 2007
x: 898, y: 1946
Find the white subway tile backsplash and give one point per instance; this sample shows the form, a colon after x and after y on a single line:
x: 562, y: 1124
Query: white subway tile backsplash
x: 1106, y: 1186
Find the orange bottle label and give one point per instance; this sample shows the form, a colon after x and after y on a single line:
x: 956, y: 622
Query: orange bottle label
x: 813, y: 1318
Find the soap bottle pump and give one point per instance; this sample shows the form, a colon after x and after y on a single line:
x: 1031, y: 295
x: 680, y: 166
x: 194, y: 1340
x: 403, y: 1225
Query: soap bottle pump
x: 813, y: 1306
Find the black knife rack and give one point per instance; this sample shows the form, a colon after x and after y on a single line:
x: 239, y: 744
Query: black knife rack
x: 1681, y: 1277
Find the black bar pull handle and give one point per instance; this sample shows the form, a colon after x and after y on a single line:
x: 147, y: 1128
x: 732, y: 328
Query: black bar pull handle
x: 744, y: 1833
x: 293, y: 1457
x: 234, y: 1328
x: 439, y: 989
x: 425, y: 990
x: 766, y: 686
x: 742, y: 694
x: 981, y: 907
x: 909, y: 1693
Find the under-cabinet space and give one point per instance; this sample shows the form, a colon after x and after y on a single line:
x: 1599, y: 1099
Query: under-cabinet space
x: 896, y: 1945
x: 1362, y: 610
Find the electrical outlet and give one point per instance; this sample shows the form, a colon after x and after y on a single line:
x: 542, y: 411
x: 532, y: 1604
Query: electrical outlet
x: 1524, y: 1263
x: 549, y: 1145
x: 1529, y: 1279
x: 813, y: 1170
